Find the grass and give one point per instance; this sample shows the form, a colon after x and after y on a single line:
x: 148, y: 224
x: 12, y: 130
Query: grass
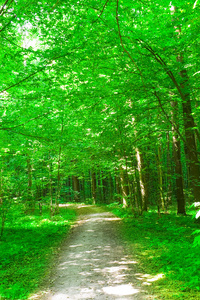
x: 27, y: 248
x: 164, y: 245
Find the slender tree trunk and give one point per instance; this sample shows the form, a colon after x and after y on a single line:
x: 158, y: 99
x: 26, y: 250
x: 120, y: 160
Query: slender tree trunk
x: 58, y: 176
x: 142, y: 178
x: 3, y: 209
x: 30, y: 201
x: 111, y: 188
x: 169, y: 172
x: 83, y: 189
x: 104, y: 184
x: 76, y: 188
x: 161, y: 203
x: 137, y: 209
x: 101, y: 186
x: 118, y: 187
x: 38, y: 197
x: 58, y: 182
x: 94, y: 187
x: 136, y: 196
x: 50, y: 186
x: 1, y: 187
x: 138, y: 192
x: 177, y: 161
x: 124, y: 187
x: 69, y: 189
x: 130, y: 189
x: 88, y: 185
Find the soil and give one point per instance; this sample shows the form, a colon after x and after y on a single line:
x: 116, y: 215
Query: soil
x: 94, y: 263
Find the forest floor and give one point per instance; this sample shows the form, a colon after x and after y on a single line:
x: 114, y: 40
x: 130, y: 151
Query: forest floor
x: 95, y: 262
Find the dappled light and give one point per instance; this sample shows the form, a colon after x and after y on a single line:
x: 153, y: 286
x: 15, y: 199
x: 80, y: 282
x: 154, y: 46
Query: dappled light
x: 121, y: 290
x: 93, y: 264
x: 147, y: 279
x: 99, y: 122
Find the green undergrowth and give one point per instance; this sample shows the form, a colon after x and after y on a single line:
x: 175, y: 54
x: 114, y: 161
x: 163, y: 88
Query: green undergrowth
x: 27, y: 248
x: 165, y: 250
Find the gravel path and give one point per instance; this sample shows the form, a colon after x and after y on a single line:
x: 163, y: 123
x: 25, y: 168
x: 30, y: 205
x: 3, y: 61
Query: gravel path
x: 94, y: 263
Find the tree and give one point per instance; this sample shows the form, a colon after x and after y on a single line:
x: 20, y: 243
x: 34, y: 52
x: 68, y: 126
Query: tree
x: 75, y: 106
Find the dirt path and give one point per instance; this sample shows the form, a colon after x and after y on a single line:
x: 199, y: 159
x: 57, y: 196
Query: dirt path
x: 94, y: 263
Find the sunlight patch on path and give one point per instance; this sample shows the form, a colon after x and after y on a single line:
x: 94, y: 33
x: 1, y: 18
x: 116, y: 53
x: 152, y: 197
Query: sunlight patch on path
x: 94, y: 263
x: 147, y: 278
x: 121, y: 290
x: 86, y: 293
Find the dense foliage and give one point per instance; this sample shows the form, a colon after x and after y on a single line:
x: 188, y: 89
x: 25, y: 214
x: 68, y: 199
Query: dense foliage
x: 99, y: 103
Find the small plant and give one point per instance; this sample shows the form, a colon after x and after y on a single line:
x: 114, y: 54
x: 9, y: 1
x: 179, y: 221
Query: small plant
x: 4, y: 208
x: 27, y: 248
x: 89, y: 201
x: 164, y: 245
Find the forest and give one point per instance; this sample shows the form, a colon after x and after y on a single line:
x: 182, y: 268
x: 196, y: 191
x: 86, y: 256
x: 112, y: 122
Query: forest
x: 100, y: 104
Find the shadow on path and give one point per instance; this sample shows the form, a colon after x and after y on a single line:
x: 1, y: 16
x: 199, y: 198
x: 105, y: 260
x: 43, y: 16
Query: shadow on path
x: 94, y: 263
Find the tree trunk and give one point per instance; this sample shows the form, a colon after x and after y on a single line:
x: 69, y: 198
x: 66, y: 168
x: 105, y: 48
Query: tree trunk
x: 68, y: 184
x: 189, y: 124
x: 50, y: 186
x: 124, y: 187
x: 118, y: 187
x: 76, y: 188
x: 161, y: 202
x: 58, y: 183
x: 104, y: 189
x: 177, y: 161
x: 3, y: 209
x: 94, y: 187
x: 30, y: 203
x: 169, y: 173
x: 83, y: 188
x: 142, y: 178
x: 190, y: 148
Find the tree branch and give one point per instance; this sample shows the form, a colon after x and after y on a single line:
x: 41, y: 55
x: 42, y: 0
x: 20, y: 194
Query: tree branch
x: 2, y: 8
x: 31, y: 75
x: 32, y: 136
x: 38, y: 117
x: 25, y: 49
x: 101, y: 12
x: 7, y: 23
x: 54, y: 5
x: 122, y: 44
x: 158, y: 58
x: 168, y: 118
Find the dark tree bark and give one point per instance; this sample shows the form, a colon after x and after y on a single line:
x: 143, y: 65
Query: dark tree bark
x: 161, y: 201
x: 177, y: 161
x: 118, y: 187
x: 189, y: 124
x: 169, y: 172
x: 190, y: 147
x: 76, y: 188
x: 94, y: 187
x: 83, y: 189
x: 104, y: 188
